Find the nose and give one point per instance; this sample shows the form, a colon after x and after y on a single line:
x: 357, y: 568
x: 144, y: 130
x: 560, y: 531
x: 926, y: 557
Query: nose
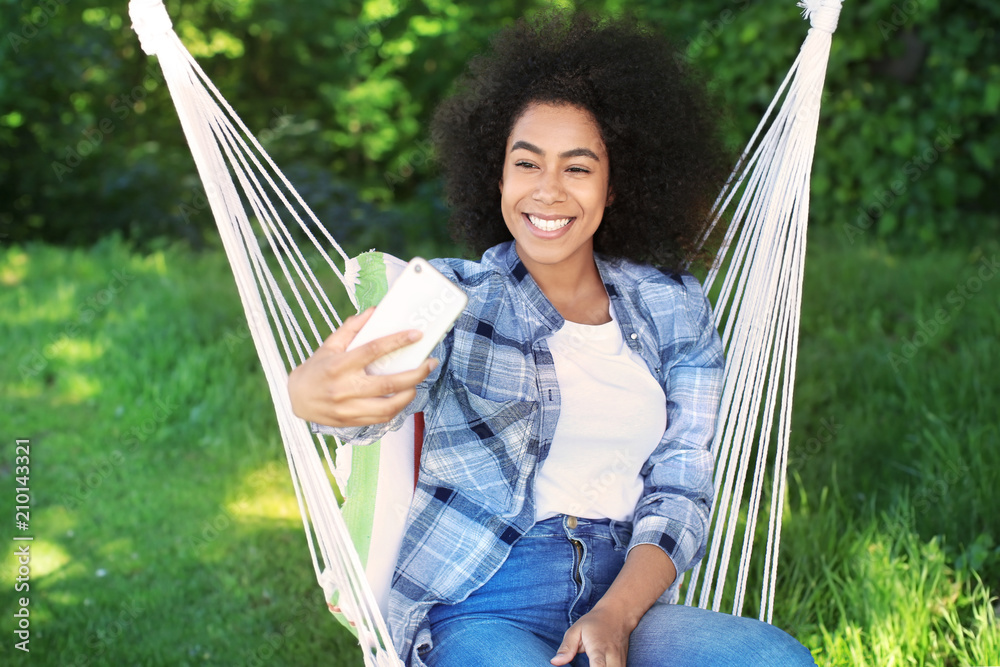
x: 549, y: 189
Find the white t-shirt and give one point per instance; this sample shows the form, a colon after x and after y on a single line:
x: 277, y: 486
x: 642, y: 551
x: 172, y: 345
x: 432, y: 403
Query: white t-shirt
x: 613, y: 414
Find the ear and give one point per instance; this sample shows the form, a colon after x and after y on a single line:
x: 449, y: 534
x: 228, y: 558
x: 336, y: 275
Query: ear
x: 610, y: 198
x: 500, y: 184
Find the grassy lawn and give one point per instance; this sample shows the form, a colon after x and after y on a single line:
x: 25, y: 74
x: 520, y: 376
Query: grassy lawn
x: 166, y: 531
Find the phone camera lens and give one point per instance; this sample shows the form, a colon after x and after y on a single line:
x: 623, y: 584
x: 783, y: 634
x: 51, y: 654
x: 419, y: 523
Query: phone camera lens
x: 417, y: 269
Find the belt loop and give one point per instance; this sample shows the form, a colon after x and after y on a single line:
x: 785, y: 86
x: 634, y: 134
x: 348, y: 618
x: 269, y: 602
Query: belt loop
x: 621, y: 533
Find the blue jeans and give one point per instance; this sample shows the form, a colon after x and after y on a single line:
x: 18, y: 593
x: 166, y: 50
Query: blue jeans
x: 554, y: 575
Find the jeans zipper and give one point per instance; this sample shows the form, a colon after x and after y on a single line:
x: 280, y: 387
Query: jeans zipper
x: 579, y: 560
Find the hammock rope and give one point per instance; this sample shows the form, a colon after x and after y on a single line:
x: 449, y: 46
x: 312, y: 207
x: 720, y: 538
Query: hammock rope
x: 757, y: 310
x: 760, y: 302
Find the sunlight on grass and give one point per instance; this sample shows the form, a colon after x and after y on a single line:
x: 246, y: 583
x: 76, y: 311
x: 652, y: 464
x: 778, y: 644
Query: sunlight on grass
x: 46, y: 558
x: 114, y: 550
x: 155, y: 263
x: 265, y: 494
x: 63, y: 598
x: 266, y: 506
x: 49, y: 557
x: 76, y: 388
x: 75, y: 350
x: 23, y: 390
x: 56, y: 306
x: 885, y: 595
x: 14, y: 269
x: 74, y: 569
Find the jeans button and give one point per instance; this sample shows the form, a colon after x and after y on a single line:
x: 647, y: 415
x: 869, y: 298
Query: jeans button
x: 571, y: 522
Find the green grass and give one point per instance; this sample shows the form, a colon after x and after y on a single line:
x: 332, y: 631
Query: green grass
x: 166, y: 530
x: 890, y: 546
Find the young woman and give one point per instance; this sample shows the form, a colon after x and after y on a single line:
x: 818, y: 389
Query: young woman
x: 565, y: 480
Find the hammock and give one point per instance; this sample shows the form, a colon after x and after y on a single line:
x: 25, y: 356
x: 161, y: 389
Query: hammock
x: 756, y: 308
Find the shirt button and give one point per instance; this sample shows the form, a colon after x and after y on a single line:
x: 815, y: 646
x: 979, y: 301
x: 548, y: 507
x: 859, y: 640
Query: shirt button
x: 571, y: 521
x: 634, y: 335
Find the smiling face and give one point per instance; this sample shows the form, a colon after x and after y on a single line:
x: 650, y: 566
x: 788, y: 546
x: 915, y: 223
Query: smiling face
x: 554, y: 186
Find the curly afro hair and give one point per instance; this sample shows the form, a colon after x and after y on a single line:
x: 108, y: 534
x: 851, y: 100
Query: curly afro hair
x: 659, y: 123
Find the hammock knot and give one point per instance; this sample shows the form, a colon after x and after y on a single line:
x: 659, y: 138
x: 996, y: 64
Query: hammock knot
x: 822, y: 14
x: 151, y: 23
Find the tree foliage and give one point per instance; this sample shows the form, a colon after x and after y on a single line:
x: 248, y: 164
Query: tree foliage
x: 340, y: 94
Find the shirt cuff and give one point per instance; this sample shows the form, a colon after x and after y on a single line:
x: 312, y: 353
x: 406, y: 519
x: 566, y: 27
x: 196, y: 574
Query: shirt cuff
x: 343, y: 432
x: 675, y: 539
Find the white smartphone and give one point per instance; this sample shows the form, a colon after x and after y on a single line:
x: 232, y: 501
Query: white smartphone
x: 420, y: 298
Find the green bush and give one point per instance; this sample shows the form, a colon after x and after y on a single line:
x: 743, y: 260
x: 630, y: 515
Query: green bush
x: 341, y: 93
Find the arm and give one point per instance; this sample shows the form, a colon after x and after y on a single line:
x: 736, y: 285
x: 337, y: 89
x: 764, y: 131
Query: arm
x: 673, y: 512
x: 646, y: 574
x: 603, y: 633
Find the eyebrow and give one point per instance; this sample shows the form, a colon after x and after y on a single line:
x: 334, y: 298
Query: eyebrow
x: 573, y: 152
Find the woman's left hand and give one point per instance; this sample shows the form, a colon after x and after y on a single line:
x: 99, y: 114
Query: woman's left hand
x: 602, y: 634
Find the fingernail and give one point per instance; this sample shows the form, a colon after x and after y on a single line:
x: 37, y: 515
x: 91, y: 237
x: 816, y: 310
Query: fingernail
x: 413, y: 335
x: 434, y: 363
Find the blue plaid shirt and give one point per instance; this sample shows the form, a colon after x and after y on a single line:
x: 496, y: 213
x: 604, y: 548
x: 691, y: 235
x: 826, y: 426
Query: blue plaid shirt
x: 490, y: 412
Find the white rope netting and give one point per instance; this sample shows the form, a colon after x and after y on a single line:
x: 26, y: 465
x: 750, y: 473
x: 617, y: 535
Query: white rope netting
x: 757, y: 312
x: 224, y: 149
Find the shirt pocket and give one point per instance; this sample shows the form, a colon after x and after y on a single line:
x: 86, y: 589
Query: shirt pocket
x: 478, y: 446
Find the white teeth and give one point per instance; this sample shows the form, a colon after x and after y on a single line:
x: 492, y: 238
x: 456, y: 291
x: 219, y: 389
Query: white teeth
x: 548, y: 225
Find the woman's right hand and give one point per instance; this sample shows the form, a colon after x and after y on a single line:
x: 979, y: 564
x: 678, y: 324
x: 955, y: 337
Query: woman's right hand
x: 331, y: 387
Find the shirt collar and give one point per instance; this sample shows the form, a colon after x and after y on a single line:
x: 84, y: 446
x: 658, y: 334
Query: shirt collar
x: 506, y: 257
